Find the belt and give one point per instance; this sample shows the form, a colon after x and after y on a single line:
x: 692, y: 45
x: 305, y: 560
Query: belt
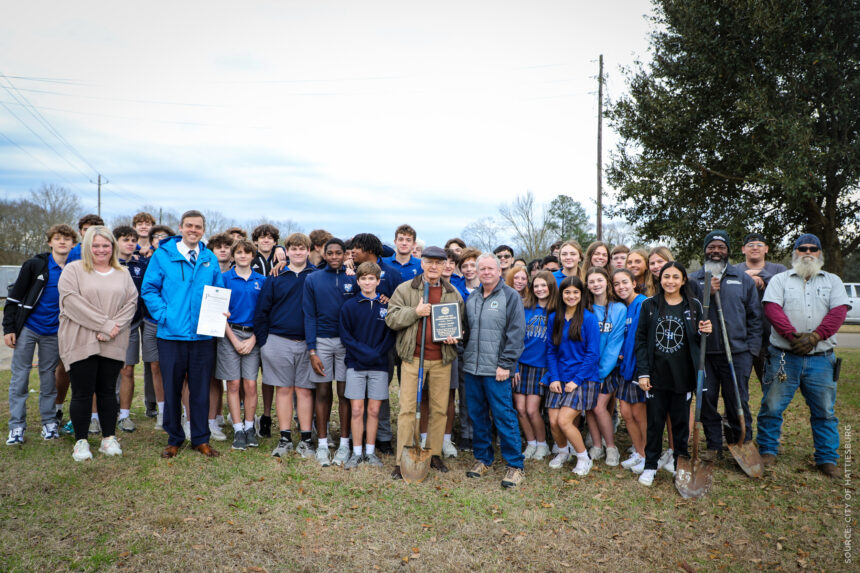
x: 825, y: 353
x: 241, y: 328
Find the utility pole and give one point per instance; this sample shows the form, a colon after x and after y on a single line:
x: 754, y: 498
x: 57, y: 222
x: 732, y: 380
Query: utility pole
x: 100, y: 182
x: 600, y: 152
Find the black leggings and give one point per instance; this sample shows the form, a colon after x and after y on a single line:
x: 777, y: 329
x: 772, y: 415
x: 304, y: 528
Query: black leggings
x: 677, y: 406
x: 94, y: 375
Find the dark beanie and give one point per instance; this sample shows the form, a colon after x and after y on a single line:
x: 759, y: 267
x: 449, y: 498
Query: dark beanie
x: 718, y: 235
x: 807, y: 239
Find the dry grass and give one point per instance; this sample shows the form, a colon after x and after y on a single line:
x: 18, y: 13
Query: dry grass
x: 248, y: 511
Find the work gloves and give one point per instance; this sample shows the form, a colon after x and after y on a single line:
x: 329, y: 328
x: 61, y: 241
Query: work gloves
x: 804, y: 343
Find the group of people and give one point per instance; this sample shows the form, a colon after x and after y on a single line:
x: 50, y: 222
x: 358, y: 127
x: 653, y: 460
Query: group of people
x: 566, y: 345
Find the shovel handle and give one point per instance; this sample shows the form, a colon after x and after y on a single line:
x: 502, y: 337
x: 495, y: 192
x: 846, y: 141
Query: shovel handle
x: 703, y: 346
x: 421, y: 353
x: 738, y: 404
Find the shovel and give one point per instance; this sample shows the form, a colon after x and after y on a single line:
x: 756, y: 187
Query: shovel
x: 746, y: 454
x: 694, y: 477
x: 415, y: 461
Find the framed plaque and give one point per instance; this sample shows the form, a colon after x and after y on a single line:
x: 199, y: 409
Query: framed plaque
x: 445, y: 319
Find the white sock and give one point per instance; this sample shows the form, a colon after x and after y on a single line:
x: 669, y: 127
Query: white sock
x: 446, y: 437
x: 95, y: 416
x: 583, y: 455
x: 423, y: 436
x: 160, y: 406
x: 544, y: 444
x: 322, y: 442
x: 533, y: 443
x: 212, y: 421
x: 249, y: 424
x: 240, y: 427
x: 344, y: 442
x: 369, y: 448
x: 123, y: 413
x: 356, y: 450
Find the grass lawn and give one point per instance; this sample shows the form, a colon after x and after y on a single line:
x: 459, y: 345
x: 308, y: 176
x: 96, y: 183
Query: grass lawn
x: 246, y: 511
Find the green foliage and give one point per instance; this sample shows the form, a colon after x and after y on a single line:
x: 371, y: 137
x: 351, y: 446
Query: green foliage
x: 568, y: 220
x: 745, y: 119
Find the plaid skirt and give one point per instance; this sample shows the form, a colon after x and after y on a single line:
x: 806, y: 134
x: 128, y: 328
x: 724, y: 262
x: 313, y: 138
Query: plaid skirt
x: 630, y: 392
x: 583, y: 398
x: 612, y: 382
x: 529, y: 378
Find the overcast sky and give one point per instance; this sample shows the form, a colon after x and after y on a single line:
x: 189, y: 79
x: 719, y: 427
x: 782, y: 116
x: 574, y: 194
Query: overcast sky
x: 350, y: 116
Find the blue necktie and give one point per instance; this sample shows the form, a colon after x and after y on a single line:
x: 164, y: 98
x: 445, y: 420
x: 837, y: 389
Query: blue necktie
x: 192, y: 256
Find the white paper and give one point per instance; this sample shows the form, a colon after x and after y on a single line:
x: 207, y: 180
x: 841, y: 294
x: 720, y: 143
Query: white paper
x: 216, y: 301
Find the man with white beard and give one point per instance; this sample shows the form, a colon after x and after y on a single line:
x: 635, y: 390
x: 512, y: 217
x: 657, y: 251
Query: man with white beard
x: 806, y: 306
x: 743, y: 316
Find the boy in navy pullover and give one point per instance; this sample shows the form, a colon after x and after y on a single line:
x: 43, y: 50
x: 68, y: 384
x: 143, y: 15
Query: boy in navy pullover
x: 367, y: 340
x: 325, y: 292
x: 279, y: 326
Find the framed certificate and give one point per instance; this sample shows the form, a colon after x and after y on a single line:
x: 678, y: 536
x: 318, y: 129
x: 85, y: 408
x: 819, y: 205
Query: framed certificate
x: 445, y: 319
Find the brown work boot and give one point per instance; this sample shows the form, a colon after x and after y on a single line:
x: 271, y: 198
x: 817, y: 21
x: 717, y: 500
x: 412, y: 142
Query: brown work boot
x: 768, y: 460
x: 831, y: 470
x: 478, y: 470
x: 396, y: 475
x: 513, y: 477
x: 437, y: 464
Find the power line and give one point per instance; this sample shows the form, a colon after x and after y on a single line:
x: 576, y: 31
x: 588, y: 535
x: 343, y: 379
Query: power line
x: 7, y: 138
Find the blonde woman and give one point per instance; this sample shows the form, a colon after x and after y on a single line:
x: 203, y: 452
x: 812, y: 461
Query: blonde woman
x: 570, y: 256
x: 657, y: 258
x: 98, y: 299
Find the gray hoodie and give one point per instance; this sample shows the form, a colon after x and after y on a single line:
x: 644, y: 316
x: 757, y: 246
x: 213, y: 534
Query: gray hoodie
x: 494, y: 330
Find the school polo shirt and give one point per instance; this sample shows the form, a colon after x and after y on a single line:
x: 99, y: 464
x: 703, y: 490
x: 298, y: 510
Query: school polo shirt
x: 243, y: 296
x: 408, y: 271
x: 45, y: 317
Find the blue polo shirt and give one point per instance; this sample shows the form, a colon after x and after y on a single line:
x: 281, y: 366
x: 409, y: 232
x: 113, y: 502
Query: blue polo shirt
x: 408, y: 271
x: 243, y: 296
x: 45, y: 317
x: 560, y: 276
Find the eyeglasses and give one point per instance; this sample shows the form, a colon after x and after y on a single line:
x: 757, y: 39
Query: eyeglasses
x: 808, y: 249
x: 506, y: 256
x: 755, y: 245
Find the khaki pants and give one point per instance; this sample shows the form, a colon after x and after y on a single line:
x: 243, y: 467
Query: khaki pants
x: 438, y: 382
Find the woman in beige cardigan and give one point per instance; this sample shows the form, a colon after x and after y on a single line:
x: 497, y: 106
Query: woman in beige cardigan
x: 97, y: 303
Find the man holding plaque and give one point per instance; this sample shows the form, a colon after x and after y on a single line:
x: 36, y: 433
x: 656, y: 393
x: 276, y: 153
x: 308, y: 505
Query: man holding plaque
x: 406, y: 309
x: 173, y: 292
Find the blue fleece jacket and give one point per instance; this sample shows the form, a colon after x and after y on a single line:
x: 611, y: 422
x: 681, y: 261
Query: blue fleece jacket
x: 574, y: 361
x: 534, y: 352
x: 628, y: 349
x: 390, y: 279
x: 279, y: 306
x: 364, y: 334
x: 325, y: 292
x: 611, y: 325
x: 173, y: 289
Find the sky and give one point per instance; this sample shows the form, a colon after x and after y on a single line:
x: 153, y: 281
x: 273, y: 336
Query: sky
x: 348, y: 116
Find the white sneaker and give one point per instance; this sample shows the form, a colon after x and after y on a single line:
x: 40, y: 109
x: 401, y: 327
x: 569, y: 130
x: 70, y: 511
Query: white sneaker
x: 341, y: 456
x: 595, y: 453
x: 559, y: 460
x: 305, y: 450
x: 50, y: 431
x: 612, y: 457
x: 159, y: 421
x: 541, y: 452
x: 323, y: 457
x: 529, y: 452
x: 667, y: 458
x: 647, y: 477
x: 216, y: 433
x: 16, y: 436
x: 670, y: 466
x: 631, y: 461
x: 639, y: 467
x: 126, y: 425
x: 583, y: 466
x: 110, y: 447
x: 449, y: 450
x: 82, y: 451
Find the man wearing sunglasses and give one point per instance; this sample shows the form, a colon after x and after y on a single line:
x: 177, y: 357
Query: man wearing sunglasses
x: 806, y: 306
x: 761, y: 271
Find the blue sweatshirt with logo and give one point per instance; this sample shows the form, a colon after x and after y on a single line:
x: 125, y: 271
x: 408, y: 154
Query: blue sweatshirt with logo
x: 628, y: 349
x: 534, y: 351
x: 279, y: 306
x: 611, y: 323
x: 325, y: 292
x: 574, y: 361
x: 364, y: 334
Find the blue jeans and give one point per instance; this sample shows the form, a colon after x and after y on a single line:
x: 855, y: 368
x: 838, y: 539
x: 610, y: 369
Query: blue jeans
x: 483, y: 395
x: 814, y: 376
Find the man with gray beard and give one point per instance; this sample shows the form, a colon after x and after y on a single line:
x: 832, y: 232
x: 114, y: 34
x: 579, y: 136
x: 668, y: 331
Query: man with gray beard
x: 806, y: 306
x: 743, y: 316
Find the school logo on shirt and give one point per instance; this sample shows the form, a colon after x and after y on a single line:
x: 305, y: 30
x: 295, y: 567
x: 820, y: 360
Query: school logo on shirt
x: 347, y: 287
x: 494, y: 305
x: 382, y: 275
x: 605, y: 327
x: 136, y: 270
x: 256, y: 285
x: 670, y: 334
x: 382, y: 313
x: 536, y: 326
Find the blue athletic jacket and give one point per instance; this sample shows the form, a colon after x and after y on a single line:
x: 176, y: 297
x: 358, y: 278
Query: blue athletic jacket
x: 628, y: 349
x: 173, y: 289
x: 279, y: 306
x: 325, y: 292
x: 534, y: 352
x: 364, y: 334
x: 573, y: 361
x: 390, y: 279
x: 611, y: 325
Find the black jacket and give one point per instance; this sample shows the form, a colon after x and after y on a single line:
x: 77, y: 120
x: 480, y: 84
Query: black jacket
x: 26, y: 292
x: 741, y: 308
x: 646, y: 335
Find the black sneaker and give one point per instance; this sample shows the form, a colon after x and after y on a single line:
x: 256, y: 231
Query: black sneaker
x: 59, y: 417
x: 265, y: 426
x: 240, y: 440
x: 151, y: 410
x: 251, y: 438
x: 385, y: 448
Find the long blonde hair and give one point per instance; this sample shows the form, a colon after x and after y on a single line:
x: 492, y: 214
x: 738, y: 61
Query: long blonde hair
x: 87, y: 247
x: 651, y: 284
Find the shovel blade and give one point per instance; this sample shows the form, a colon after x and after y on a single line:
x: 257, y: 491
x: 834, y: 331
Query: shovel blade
x: 693, y: 478
x: 414, y: 464
x: 747, y: 456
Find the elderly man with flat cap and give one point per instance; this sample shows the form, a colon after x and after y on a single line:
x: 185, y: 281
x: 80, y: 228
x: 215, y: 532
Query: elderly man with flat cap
x: 806, y: 306
x: 406, y: 309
